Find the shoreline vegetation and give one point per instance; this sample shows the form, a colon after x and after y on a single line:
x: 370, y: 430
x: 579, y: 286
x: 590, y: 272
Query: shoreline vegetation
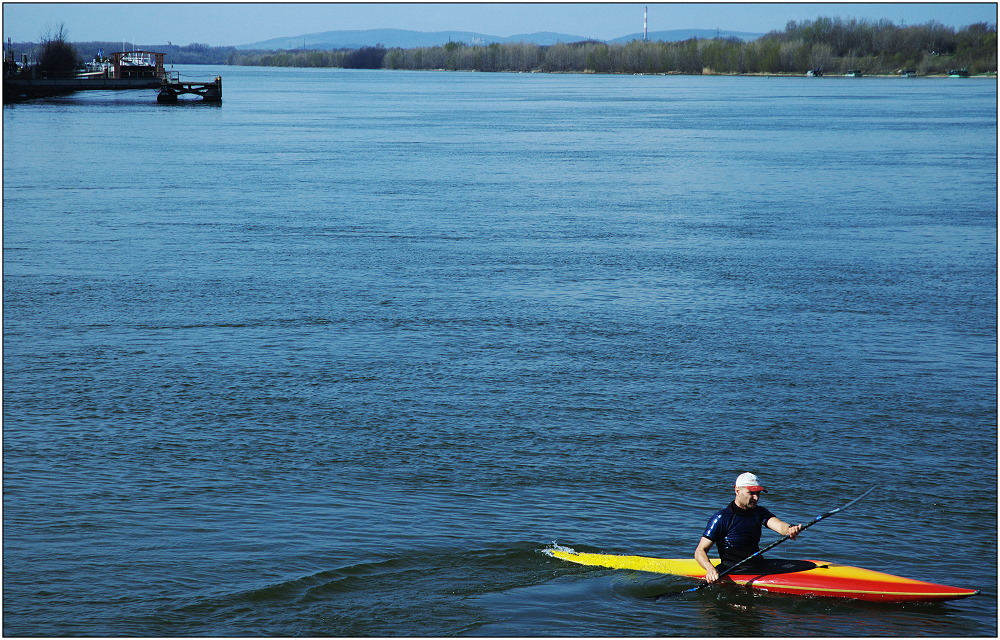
x: 830, y: 46
x: 825, y: 46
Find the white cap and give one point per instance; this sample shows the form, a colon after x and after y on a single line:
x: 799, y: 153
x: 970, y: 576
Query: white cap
x: 750, y: 481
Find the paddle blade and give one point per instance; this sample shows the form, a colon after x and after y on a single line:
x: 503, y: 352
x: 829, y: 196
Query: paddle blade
x: 673, y: 594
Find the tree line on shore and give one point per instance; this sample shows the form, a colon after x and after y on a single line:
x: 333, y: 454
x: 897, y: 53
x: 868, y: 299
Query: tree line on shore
x: 831, y: 44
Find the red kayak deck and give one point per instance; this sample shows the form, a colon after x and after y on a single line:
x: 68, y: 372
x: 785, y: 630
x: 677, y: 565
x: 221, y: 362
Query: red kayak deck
x: 813, y: 578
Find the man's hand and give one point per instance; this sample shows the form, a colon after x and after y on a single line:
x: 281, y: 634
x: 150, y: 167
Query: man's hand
x: 793, y: 531
x: 701, y: 557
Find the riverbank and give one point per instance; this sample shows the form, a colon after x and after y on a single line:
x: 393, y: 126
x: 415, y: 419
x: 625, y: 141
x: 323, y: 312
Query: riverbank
x: 834, y: 47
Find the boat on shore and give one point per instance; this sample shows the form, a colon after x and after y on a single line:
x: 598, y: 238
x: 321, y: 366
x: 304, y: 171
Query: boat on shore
x: 120, y: 70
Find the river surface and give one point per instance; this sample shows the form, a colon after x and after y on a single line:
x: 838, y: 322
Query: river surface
x: 343, y: 355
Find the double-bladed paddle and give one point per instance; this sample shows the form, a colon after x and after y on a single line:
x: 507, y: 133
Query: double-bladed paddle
x: 767, y: 548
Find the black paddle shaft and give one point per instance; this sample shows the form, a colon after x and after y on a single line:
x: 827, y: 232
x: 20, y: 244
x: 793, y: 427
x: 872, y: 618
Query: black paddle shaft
x: 774, y: 544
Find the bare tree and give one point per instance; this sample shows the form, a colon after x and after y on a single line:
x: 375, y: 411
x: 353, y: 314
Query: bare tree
x: 58, y: 58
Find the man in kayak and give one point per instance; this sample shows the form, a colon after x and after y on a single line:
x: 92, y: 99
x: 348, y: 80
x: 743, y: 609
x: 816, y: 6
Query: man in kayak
x: 736, y: 529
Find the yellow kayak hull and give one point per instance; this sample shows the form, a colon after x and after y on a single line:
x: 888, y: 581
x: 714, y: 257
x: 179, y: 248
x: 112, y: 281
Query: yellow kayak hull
x: 814, y: 578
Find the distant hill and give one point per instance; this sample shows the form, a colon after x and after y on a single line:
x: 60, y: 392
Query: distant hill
x: 404, y: 39
x: 678, y: 35
x: 398, y: 38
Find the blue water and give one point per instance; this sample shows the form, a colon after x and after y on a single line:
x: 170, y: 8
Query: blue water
x: 342, y: 355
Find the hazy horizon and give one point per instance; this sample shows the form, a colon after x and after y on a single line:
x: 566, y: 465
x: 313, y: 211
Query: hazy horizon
x: 230, y: 24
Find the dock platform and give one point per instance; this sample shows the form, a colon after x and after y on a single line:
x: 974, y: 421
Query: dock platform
x: 121, y: 70
x: 209, y: 91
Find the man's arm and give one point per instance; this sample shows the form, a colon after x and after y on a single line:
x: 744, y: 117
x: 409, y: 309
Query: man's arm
x: 701, y: 556
x: 778, y: 525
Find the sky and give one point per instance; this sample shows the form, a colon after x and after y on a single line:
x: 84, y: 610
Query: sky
x: 235, y: 23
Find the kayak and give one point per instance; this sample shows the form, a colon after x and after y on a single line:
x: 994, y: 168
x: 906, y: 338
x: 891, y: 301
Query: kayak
x: 811, y: 578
